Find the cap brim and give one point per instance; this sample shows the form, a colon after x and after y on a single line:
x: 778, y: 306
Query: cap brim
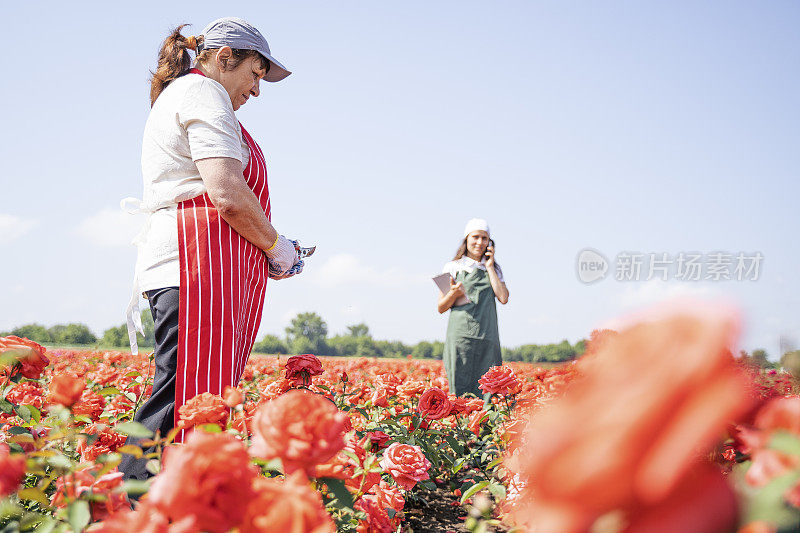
x: 276, y: 72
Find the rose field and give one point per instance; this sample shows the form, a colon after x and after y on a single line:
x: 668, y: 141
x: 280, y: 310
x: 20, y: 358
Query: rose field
x: 657, y: 428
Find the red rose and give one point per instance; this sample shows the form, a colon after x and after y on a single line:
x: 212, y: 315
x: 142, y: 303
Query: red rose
x: 378, y: 440
x: 208, y: 479
x: 66, y: 389
x: 500, y: 380
x: 12, y: 470
x: 300, y: 369
x: 30, y: 355
x: 434, y: 404
x: 301, y: 428
x: 406, y: 464
x: 26, y: 393
x: 91, y: 404
x: 205, y: 408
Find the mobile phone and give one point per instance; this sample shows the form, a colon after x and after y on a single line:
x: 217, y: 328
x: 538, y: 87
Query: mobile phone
x: 491, y: 245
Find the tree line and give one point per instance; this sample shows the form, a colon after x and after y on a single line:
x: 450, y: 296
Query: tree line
x: 308, y: 333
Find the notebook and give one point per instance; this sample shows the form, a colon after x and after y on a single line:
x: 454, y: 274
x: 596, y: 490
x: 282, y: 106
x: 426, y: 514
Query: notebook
x: 443, y: 282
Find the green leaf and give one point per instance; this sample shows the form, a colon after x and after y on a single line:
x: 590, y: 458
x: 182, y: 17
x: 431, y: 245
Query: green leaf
x: 78, y: 515
x: 768, y: 504
x: 32, y: 493
x: 59, y: 461
x: 24, y: 412
x: 153, y: 466
x: 498, y: 490
x: 428, y: 485
x: 16, y: 430
x: 339, y: 490
x: 9, y: 509
x: 133, y: 429
x: 108, y: 391
x: 458, y: 465
x: 783, y: 441
x: 454, y: 444
x: 474, y: 489
x: 131, y: 449
x: 136, y: 486
x: 47, y: 525
x: 6, y: 407
x: 210, y: 428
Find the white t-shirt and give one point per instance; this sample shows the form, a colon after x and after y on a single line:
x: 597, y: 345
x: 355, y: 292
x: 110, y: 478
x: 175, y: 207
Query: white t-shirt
x: 467, y: 264
x: 192, y: 119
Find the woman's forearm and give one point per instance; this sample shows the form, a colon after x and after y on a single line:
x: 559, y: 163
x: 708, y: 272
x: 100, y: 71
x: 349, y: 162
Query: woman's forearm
x: 235, y: 201
x: 446, y: 301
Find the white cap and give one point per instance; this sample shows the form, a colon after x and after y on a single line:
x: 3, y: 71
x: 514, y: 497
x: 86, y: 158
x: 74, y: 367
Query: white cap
x: 476, y: 224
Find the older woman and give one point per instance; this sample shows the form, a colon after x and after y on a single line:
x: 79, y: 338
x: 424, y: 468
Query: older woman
x: 204, y: 252
x: 472, y: 345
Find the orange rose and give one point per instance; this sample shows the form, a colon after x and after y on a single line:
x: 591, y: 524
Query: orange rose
x: 406, y: 464
x: 290, y: 506
x: 12, y: 470
x: 301, y: 428
x: 500, y: 380
x: 300, y: 369
x: 434, y: 404
x: 232, y: 396
x: 626, y: 435
x: 205, y: 408
x: 106, y: 487
x: 145, y: 519
x: 91, y: 404
x: 208, y: 479
x: 66, y: 389
x: 343, y: 466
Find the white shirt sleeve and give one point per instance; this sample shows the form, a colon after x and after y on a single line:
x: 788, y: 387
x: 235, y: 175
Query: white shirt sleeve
x: 207, y: 116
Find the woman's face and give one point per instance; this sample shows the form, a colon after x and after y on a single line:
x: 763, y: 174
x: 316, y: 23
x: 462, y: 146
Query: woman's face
x: 242, y: 82
x: 477, y: 241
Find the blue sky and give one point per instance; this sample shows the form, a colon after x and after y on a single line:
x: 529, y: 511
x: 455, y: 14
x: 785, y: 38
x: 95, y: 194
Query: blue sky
x: 619, y: 126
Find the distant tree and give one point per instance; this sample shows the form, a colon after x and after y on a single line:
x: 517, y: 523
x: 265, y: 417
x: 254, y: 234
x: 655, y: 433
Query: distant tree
x: 422, y: 350
x: 438, y: 349
x: 34, y: 332
x: 116, y: 337
x: 358, y: 330
x: 759, y: 358
x: 307, y: 333
x: 271, y: 344
x: 71, y: 334
x: 343, y: 345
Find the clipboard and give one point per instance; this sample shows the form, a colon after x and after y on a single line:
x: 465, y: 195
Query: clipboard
x: 443, y: 282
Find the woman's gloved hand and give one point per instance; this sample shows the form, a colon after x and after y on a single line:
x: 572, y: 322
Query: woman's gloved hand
x: 282, y: 256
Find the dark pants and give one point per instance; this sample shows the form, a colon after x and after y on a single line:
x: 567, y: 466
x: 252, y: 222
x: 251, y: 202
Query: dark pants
x: 158, y: 412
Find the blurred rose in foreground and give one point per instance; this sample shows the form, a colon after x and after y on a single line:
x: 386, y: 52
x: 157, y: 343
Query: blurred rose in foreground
x: 30, y: 355
x: 627, y: 439
x: 208, y: 480
x: 289, y: 505
x: 66, y: 389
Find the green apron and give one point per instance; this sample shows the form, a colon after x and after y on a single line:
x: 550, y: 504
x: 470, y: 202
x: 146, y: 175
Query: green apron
x: 472, y: 345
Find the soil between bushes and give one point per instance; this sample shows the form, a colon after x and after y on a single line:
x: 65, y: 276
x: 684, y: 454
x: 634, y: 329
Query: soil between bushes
x: 436, y: 511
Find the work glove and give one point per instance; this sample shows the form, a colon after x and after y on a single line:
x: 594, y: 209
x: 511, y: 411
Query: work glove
x: 282, y: 256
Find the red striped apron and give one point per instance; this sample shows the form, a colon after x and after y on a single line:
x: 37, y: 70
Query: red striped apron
x: 222, y: 287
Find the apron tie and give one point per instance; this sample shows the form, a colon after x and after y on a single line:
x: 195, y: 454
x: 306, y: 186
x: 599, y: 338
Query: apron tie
x: 133, y: 314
